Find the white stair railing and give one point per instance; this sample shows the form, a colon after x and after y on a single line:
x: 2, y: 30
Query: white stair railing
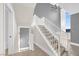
x: 59, y: 34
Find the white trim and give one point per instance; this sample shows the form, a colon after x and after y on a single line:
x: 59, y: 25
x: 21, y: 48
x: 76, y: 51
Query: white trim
x: 76, y: 44
x: 31, y: 37
x: 24, y: 49
x: 21, y: 49
x: 4, y: 27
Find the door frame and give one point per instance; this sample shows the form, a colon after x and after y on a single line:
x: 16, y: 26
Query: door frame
x: 9, y: 6
x: 26, y: 48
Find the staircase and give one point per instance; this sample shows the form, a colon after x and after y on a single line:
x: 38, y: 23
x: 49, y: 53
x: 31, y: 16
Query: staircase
x: 53, y: 41
x: 57, y: 39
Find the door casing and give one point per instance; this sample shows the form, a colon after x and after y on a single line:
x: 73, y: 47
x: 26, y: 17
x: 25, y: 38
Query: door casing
x: 26, y: 48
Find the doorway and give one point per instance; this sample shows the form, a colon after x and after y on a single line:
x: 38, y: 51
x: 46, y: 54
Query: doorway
x: 24, y: 40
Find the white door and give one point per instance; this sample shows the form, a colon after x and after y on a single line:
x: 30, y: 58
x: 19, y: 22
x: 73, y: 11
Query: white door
x: 9, y: 29
x: 23, y: 38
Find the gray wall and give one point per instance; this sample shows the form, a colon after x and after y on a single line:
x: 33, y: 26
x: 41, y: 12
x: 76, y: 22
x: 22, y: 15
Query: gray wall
x: 46, y: 10
x: 75, y: 28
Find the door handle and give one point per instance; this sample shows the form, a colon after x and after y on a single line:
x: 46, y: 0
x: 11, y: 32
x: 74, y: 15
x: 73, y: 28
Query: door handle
x: 10, y: 36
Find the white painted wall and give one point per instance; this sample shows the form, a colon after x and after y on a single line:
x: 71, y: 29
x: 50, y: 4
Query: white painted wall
x: 1, y: 30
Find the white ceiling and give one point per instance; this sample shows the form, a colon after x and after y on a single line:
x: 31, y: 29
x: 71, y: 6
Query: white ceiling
x: 25, y: 4
x: 70, y: 7
x: 24, y: 13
